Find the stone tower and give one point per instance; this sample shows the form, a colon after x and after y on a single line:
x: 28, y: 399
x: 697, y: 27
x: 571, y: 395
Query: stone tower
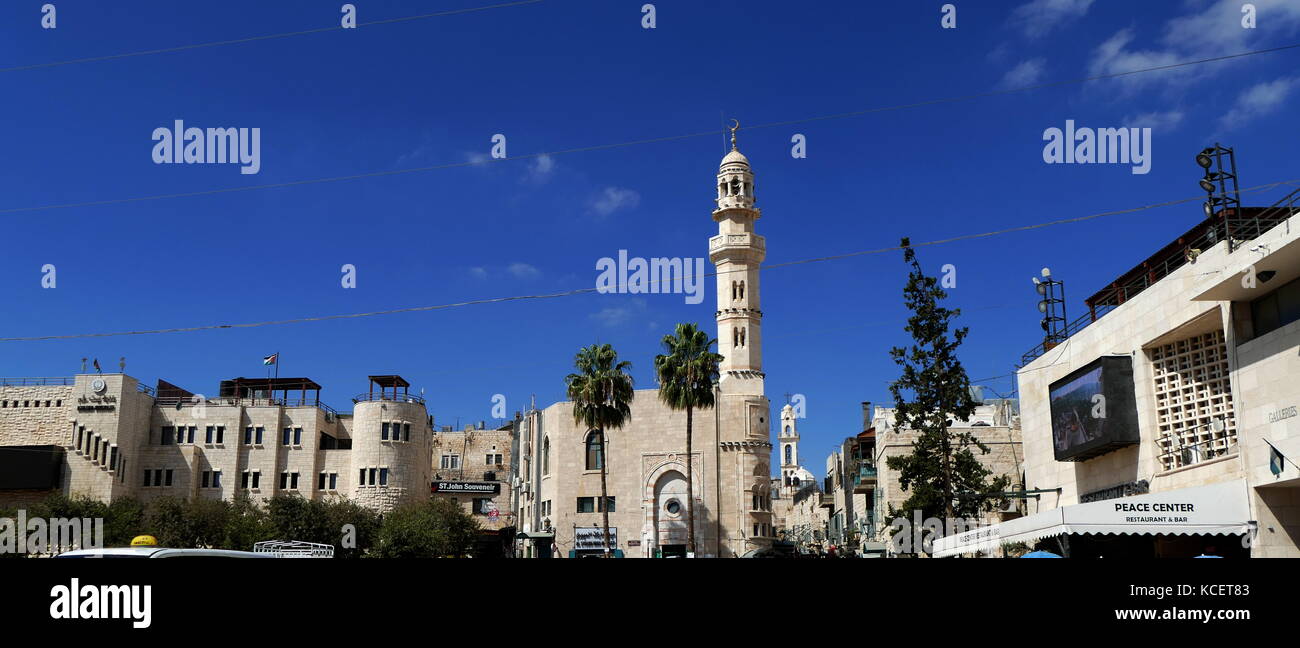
x: 788, y: 442
x: 737, y: 252
x: 745, y: 520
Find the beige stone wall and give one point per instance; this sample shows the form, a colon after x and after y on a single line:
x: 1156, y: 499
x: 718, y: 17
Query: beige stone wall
x: 1263, y: 372
x: 473, y: 446
x: 127, y: 419
x: 728, y: 471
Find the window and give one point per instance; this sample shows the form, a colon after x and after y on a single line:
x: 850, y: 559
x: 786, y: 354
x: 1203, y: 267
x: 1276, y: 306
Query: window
x: 204, y: 482
x: 595, y: 454
x: 383, y: 476
x: 406, y: 431
x: 248, y: 435
x: 250, y: 479
x: 320, y: 483
x: 586, y: 505
x: 221, y: 434
x: 112, y: 462
x: 372, y: 477
x: 288, y: 434
x: 361, y: 481
x: 208, y: 433
x: 168, y: 433
x: 334, y: 481
x: 450, y: 462
x: 788, y: 451
x: 258, y: 435
x: 383, y: 432
x: 216, y: 479
x: 284, y: 480
x: 493, y: 459
x: 257, y: 479
x: 293, y: 481
x: 190, y: 437
x: 610, y: 501
x: 1276, y: 309
x: 168, y: 480
x: 81, y: 432
x: 297, y: 436
x: 546, y: 456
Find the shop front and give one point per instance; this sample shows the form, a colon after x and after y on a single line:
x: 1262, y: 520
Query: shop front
x: 1184, y: 523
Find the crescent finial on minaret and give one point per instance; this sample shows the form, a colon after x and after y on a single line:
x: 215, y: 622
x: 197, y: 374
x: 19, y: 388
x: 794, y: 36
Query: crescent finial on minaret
x: 735, y: 126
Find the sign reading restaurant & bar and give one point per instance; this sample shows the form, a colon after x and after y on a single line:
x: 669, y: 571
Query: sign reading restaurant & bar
x: 492, y: 488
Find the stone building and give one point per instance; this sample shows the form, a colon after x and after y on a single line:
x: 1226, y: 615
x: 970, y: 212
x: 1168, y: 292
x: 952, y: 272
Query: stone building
x: 106, y: 436
x: 647, y: 465
x: 475, y: 467
x: 1176, y: 392
x: 995, y: 423
x: 794, y: 477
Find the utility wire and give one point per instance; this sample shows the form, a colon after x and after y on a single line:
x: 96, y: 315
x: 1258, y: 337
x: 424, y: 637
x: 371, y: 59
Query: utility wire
x: 579, y: 291
x: 264, y: 37
x: 653, y: 140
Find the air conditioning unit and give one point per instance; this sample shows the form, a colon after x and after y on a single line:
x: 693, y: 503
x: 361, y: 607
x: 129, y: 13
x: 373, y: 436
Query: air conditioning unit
x: 527, y: 487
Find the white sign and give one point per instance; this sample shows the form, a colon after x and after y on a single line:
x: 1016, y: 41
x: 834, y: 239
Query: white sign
x: 586, y: 538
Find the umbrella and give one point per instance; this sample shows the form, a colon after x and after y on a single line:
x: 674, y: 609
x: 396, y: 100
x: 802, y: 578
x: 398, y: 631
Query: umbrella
x: 1040, y: 554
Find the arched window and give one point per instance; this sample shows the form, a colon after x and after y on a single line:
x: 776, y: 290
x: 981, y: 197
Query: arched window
x: 595, y: 453
x: 788, y: 450
x: 740, y: 293
x: 794, y: 481
x: 546, y: 456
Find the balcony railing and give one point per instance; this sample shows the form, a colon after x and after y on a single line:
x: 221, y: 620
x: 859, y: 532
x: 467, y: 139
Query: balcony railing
x: 865, y: 479
x: 36, y: 382
x: 188, y: 401
x: 400, y: 398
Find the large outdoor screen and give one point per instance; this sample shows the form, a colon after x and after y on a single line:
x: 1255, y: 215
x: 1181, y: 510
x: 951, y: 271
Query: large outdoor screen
x: 1093, y: 410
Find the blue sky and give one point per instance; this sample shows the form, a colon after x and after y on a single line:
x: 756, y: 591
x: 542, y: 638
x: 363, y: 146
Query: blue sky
x: 563, y: 74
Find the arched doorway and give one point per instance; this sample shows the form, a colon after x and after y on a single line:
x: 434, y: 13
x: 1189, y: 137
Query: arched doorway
x: 670, y: 514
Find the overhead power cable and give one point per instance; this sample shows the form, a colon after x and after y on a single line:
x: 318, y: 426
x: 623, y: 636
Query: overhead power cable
x: 579, y: 291
x: 264, y: 37
x: 638, y: 142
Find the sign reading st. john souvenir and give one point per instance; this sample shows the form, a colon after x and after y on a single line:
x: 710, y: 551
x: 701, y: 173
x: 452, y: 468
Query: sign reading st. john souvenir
x: 585, y: 538
x: 1094, y: 409
x: 493, y: 488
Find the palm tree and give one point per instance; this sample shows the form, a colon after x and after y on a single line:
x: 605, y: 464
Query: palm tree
x: 602, y: 399
x: 686, y: 378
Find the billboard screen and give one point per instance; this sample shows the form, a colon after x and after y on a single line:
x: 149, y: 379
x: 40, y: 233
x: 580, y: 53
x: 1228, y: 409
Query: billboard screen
x: 1094, y: 410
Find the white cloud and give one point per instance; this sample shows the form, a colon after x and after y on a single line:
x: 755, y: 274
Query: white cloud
x: 1167, y: 120
x: 518, y: 270
x: 1026, y: 73
x: 614, y: 316
x: 1257, y: 101
x: 523, y: 271
x: 1040, y: 17
x: 477, y: 159
x: 613, y: 199
x: 1215, y: 30
x: 540, y: 169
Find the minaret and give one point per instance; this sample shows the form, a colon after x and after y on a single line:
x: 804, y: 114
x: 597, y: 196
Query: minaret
x: 737, y: 252
x: 788, y: 442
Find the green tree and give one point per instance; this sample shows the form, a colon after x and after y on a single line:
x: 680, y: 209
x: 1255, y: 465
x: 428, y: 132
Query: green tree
x: 602, y: 396
x: 933, y: 391
x: 246, y: 524
x: 687, y: 373
x: 435, y: 528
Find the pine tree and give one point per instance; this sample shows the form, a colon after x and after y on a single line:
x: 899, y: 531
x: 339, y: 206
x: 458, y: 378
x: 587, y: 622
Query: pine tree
x: 942, y: 474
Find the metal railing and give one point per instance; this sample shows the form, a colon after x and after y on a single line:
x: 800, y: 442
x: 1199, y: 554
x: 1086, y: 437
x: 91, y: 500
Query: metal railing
x: 1227, y: 225
x: 36, y: 382
x: 399, y: 398
x: 1190, y: 454
x: 188, y: 401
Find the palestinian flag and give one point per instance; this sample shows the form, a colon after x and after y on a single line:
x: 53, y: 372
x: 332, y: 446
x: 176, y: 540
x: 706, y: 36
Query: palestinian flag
x: 271, y: 359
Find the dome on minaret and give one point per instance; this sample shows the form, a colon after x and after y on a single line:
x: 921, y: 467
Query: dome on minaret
x: 732, y: 158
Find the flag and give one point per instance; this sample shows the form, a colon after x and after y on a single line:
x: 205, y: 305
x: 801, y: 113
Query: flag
x: 97, y: 370
x: 1275, y: 460
x: 271, y: 359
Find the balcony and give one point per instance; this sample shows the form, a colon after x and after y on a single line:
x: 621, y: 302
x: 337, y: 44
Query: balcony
x: 864, y: 481
x: 396, y: 398
x: 827, y: 501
